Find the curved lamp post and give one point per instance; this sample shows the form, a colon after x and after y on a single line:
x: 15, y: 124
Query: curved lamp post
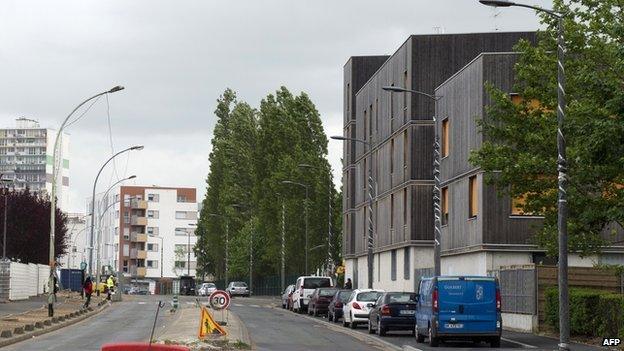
x: 371, y: 196
x: 305, y: 209
x: 437, y: 208
x: 138, y: 147
x: 562, y: 167
x: 51, y: 295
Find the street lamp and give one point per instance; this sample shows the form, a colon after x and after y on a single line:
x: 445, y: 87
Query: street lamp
x: 305, y: 209
x: 188, y: 252
x: 562, y: 167
x: 138, y: 148
x: 5, y: 181
x: 437, y: 208
x: 371, y: 194
x: 227, y: 244
x: 243, y: 207
x: 330, y: 262
x: 101, y: 215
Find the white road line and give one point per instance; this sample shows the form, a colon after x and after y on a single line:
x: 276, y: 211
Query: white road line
x: 410, y: 348
x: 255, y: 306
x: 238, y: 304
x: 141, y: 302
x: 519, y: 343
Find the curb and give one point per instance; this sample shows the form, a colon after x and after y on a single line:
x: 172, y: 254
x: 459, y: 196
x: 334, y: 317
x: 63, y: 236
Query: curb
x: 360, y: 336
x: 56, y: 323
x: 244, y: 332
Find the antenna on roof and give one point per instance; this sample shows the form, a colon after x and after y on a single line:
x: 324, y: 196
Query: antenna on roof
x: 495, y: 13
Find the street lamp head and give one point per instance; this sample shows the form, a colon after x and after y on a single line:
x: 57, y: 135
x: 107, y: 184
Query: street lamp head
x: 394, y: 89
x: 116, y: 88
x: 138, y: 147
x: 497, y: 3
x: 337, y: 137
x: 131, y: 177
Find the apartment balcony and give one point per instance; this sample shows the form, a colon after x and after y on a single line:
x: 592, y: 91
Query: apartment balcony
x: 138, y: 237
x: 141, y: 272
x: 137, y: 220
x: 138, y: 204
x: 141, y: 255
x: 133, y: 254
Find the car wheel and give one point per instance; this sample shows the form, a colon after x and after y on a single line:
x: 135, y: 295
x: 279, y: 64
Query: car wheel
x: 419, y: 337
x: 329, y: 317
x: 495, y: 342
x: 315, y: 312
x: 380, y: 330
x: 370, y: 328
x: 353, y: 324
x: 344, y: 322
x: 433, y: 342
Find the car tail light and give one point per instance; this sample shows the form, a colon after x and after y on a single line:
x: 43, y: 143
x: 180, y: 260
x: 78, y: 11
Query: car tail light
x: 498, y: 300
x: 356, y: 306
x: 385, y: 310
x: 434, y: 300
x: 338, y: 305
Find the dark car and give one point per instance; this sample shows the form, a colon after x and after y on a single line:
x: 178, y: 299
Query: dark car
x: 320, y: 299
x: 334, y: 309
x: 393, y: 311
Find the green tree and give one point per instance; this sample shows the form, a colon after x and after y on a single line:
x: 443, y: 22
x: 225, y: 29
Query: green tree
x: 520, y: 151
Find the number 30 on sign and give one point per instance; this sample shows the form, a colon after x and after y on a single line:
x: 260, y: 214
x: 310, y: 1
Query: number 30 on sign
x: 219, y: 300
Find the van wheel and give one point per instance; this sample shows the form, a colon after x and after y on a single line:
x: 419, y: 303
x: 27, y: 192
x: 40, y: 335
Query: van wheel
x: 433, y: 342
x: 495, y: 342
x: 419, y: 337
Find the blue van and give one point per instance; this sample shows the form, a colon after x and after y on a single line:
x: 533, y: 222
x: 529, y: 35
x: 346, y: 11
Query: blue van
x: 459, y: 308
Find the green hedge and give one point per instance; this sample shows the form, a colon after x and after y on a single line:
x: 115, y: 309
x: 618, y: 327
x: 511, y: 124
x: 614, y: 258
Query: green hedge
x: 592, y: 312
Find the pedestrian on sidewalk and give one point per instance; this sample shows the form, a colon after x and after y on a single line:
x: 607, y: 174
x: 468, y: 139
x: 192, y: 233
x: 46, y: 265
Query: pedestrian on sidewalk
x: 87, y: 287
x: 348, y: 284
x: 110, y: 282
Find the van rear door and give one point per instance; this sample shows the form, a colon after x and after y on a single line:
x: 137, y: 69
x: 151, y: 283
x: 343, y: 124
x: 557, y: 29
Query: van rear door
x: 467, y: 305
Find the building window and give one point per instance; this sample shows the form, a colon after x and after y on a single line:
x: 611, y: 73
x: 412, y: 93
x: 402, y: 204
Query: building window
x: 365, y: 124
x: 445, y: 206
x: 391, y: 211
x: 364, y: 179
x: 376, y: 115
x: 405, y: 206
x: 391, y: 157
x: 182, y: 198
x: 152, y: 264
x: 180, y: 264
x: 393, y: 264
x: 406, y: 263
x: 405, y: 97
x: 370, y: 122
x: 152, y: 214
x: 126, y: 250
x: 126, y: 232
x: 405, y: 153
x: 445, y: 137
x: 517, y: 207
x: 181, y: 231
x: 152, y: 247
x: 472, y: 195
x: 153, y: 197
x: 180, y: 215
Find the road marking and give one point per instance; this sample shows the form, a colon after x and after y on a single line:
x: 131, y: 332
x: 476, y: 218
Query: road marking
x: 255, y: 306
x: 142, y: 302
x: 410, y: 348
x: 519, y: 343
x: 238, y: 304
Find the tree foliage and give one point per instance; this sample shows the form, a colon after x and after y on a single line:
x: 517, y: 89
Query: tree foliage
x: 253, y: 151
x: 520, y: 151
x: 28, y: 227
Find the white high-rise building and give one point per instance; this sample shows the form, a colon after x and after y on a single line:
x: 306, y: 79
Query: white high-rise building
x: 26, y: 154
x: 76, y: 241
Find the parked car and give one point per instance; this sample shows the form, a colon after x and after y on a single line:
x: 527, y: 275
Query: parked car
x: 206, y: 289
x: 456, y: 308
x: 287, y: 295
x: 357, y: 309
x: 320, y: 300
x: 304, y: 287
x: 238, y: 289
x: 334, y: 309
x: 393, y: 311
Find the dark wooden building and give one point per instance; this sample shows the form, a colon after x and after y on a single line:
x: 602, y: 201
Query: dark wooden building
x: 400, y: 131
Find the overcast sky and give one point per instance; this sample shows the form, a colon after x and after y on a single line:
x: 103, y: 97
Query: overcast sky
x: 176, y: 57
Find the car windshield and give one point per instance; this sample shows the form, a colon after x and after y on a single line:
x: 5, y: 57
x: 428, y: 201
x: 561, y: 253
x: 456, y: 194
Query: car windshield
x: 327, y: 292
x: 368, y: 296
x: 239, y: 284
x: 313, y: 283
x: 210, y: 285
x: 401, y: 297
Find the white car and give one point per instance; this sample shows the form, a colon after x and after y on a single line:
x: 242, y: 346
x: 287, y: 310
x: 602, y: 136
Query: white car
x: 358, y: 307
x: 206, y: 289
x: 304, y: 287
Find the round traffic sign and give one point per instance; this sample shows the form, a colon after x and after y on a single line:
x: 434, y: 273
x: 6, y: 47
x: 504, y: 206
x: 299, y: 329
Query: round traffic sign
x: 83, y: 266
x: 219, y: 300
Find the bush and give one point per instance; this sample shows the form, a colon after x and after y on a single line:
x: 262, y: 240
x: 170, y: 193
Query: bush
x: 592, y: 312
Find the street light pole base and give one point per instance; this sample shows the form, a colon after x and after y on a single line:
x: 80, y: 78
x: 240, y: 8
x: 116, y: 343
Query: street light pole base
x: 50, y: 310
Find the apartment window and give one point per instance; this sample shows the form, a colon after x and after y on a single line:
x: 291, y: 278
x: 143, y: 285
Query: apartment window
x: 406, y: 263
x: 126, y: 233
x: 365, y: 124
x: 126, y: 250
x: 152, y: 214
x: 405, y: 148
x: 125, y: 265
x: 445, y: 206
x: 445, y: 137
x: 391, y: 211
x: 153, y: 197
x: 405, y: 206
x: 180, y: 264
x: 152, y: 247
x: 150, y: 230
x: 152, y: 264
x: 393, y: 264
x: 181, y: 231
x: 391, y: 156
x: 182, y: 247
x: 472, y: 195
x: 182, y: 198
x: 376, y: 115
x: 180, y: 215
x: 405, y: 97
x: 517, y: 206
x: 370, y: 122
x: 348, y: 99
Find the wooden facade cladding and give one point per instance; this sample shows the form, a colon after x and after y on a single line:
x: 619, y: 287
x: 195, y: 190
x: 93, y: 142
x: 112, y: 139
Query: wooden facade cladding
x: 400, y: 129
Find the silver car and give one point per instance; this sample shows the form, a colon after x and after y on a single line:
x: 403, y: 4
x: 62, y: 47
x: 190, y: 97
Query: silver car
x: 286, y: 296
x: 206, y: 289
x: 238, y: 289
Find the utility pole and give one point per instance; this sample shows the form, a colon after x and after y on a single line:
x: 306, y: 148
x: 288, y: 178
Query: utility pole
x: 283, y: 271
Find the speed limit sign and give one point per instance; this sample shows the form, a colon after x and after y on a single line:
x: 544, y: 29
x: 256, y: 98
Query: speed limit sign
x: 219, y: 300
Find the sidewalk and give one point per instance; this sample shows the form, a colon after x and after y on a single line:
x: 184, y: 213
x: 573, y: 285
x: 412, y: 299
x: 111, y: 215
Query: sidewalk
x: 184, y: 327
x: 35, y: 302
x: 543, y: 342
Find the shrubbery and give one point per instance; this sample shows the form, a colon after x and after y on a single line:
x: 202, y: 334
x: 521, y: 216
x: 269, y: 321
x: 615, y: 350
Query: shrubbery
x: 592, y: 312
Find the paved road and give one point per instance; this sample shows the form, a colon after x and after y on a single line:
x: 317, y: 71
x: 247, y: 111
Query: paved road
x: 276, y: 330
x: 130, y: 320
